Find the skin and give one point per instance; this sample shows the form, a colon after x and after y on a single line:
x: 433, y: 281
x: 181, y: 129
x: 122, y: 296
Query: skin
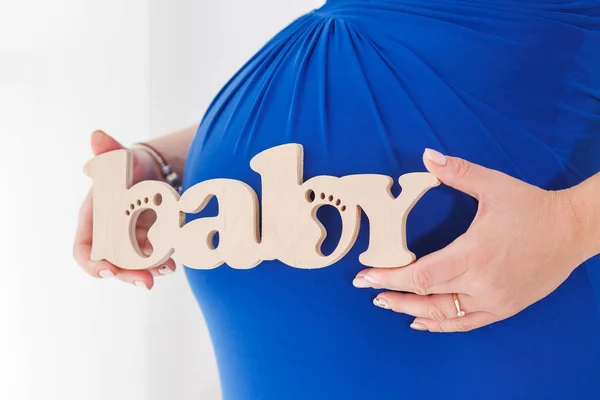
x: 522, y: 244
x: 174, y: 148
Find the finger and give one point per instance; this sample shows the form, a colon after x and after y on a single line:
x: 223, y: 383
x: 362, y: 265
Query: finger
x: 146, y: 247
x: 145, y: 278
x: 141, y: 237
x: 82, y: 246
x: 359, y: 280
x: 461, y: 174
x: 437, y: 307
x: 167, y: 268
x: 103, y: 269
x: 103, y: 143
x: 463, y: 324
x: 430, y: 274
x: 140, y: 278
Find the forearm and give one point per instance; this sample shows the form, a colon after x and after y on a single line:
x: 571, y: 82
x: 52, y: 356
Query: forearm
x: 586, y: 199
x: 174, y: 146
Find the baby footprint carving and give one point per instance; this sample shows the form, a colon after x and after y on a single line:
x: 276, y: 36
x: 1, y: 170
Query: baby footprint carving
x: 156, y: 201
x: 324, y: 198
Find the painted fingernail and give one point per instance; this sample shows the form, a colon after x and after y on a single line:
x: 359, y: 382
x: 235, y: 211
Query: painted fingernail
x: 360, y: 283
x: 106, y: 273
x: 435, y: 156
x: 418, y: 327
x: 141, y: 284
x: 165, y: 270
x: 371, y: 279
x: 379, y: 302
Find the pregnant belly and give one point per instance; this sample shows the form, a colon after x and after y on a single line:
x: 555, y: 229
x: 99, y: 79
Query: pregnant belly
x: 365, y: 87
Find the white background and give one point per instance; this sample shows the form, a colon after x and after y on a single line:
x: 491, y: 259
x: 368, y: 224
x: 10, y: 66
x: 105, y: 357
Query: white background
x: 134, y: 69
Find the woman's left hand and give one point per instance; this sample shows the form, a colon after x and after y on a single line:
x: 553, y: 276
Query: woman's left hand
x: 522, y: 244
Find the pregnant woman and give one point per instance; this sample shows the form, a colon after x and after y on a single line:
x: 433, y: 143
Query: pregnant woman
x: 503, y: 301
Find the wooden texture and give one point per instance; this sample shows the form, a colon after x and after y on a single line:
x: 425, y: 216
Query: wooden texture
x: 290, y: 233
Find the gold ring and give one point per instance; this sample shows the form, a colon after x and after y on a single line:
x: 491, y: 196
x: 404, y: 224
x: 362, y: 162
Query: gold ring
x: 459, y: 312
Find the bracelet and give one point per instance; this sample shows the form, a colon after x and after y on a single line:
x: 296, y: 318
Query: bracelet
x: 170, y: 176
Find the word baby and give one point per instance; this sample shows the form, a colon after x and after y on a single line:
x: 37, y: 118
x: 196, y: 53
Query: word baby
x: 291, y: 231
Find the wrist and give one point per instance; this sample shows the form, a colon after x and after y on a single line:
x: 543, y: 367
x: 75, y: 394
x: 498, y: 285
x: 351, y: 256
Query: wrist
x: 165, y: 170
x: 584, y: 217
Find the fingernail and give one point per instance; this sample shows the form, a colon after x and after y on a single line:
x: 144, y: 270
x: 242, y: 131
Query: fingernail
x: 371, y: 279
x: 106, y: 273
x: 381, y: 303
x: 418, y: 327
x: 360, y: 283
x: 435, y: 156
x: 165, y: 270
x: 141, y: 284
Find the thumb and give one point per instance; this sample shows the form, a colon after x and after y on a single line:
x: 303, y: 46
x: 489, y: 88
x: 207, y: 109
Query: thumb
x: 460, y: 174
x: 103, y: 143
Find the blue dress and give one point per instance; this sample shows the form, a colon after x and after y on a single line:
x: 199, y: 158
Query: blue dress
x: 365, y: 87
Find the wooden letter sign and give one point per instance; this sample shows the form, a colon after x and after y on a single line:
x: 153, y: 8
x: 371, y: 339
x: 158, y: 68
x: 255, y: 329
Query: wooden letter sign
x: 290, y: 233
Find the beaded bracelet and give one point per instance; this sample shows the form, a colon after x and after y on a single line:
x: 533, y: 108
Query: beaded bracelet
x: 170, y: 176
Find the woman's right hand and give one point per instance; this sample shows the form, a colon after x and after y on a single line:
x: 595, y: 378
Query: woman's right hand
x: 144, y: 168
